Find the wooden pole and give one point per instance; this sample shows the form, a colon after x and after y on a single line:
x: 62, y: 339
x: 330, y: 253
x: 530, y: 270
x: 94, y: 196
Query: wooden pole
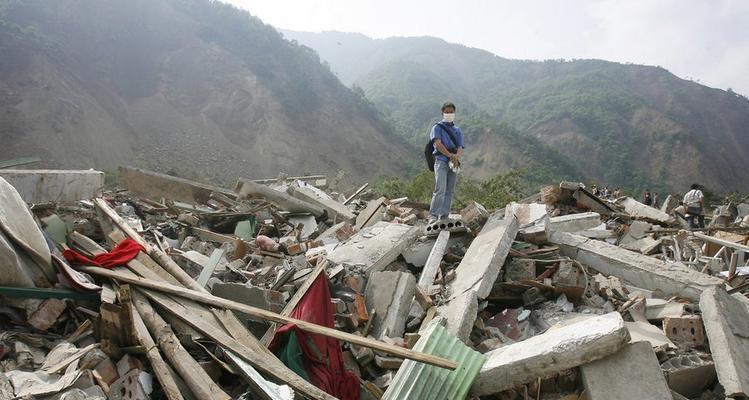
x: 265, y: 315
x: 160, y: 368
x: 201, y: 385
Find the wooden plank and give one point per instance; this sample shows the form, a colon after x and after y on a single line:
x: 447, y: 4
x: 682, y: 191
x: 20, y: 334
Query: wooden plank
x: 164, y: 260
x: 293, y: 301
x: 264, y: 315
x: 160, y: 367
x: 358, y: 191
x: 722, y: 242
x: 262, y: 361
x: 201, y: 385
x: 236, y: 331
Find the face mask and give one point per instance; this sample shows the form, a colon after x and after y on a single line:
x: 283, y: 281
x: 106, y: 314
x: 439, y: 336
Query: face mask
x: 449, y: 117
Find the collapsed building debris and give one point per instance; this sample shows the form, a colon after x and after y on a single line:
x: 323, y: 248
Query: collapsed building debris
x: 281, y: 289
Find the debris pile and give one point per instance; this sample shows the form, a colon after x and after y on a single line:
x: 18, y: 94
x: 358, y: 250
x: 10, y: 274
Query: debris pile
x: 279, y: 289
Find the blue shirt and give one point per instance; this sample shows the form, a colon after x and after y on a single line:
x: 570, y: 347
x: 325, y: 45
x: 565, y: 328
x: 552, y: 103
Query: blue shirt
x: 439, y: 133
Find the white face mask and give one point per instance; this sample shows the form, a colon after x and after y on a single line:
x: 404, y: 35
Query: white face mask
x: 449, y: 117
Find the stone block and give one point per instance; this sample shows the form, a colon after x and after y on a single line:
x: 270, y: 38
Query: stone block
x: 555, y: 350
x: 726, y: 320
x: 390, y: 294
x: 59, y: 186
x: 689, y: 375
x: 631, y: 373
x: 685, y: 331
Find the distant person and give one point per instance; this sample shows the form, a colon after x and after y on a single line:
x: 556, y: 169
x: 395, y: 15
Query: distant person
x: 656, y: 198
x: 594, y: 190
x: 617, y: 193
x: 694, y: 201
x: 606, y: 192
x: 447, y: 140
x: 647, y: 199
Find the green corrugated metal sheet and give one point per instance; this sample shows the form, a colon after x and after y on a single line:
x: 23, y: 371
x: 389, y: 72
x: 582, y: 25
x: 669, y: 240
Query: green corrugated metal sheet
x: 419, y: 381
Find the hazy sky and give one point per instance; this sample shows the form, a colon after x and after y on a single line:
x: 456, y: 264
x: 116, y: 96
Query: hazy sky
x: 705, y: 40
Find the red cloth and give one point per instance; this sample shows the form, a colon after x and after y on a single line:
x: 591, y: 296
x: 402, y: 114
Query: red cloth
x: 125, y: 251
x: 323, y: 359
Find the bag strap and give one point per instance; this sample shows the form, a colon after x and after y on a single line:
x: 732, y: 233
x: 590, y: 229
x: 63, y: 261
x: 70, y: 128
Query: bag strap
x: 449, y: 132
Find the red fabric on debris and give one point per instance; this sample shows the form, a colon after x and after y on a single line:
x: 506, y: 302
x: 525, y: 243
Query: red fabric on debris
x: 121, y: 254
x: 323, y: 359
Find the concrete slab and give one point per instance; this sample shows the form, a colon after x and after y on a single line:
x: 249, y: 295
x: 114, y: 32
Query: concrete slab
x: 50, y: 185
x: 460, y: 315
x: 483, y: 261
x: 277, y: 197
x: 631, y: 373
x: 156, y: 185
x: 658, y: 309
x: 336, y: 211
x: 574, y: 222
x: 376, y: 246
x: 642, y: 332
x: 637, y: 269
x: 527, y: 214
x: 726, y: 322
x: 390, y: 294
x: 639, y: 210
x: 555, y: 350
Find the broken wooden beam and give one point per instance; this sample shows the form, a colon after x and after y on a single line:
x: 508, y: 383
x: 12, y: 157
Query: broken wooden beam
x: 265, y: 315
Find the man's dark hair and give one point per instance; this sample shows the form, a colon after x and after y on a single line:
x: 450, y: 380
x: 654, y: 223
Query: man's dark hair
x: 448, y: 104
x: 695, y: 186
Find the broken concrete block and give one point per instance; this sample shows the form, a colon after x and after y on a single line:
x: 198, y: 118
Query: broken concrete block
x: 155, y: 185
x: 527, y: 214
x: 480, y: 267
x: 282, y: 199
x: 460, y: 314
x: 726, y: 321
x: 689, y: 374
x: 59, y: 186
x: 390, y: 294
x: 637, y: 269
x: 375, y: 247
x: 574, y: 222
x: 555, y: 350
x: 644, y: 332
x: 637, y: 230
x: 631, y: 373
x: 646, y: 245
x: 685, y: 331
x: 640, y: 210
x: 336, y: 211
x: 474, y: 216
x: 266, y: 299
x: 658, y: 309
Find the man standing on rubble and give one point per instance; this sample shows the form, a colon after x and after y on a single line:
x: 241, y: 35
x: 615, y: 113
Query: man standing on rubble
x: 694, y: 201
x: 447, y: 140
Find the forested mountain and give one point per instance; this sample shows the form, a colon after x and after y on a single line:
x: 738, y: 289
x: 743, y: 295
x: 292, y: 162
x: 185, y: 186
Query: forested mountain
x: 619, y: 124
x: 193, y: 87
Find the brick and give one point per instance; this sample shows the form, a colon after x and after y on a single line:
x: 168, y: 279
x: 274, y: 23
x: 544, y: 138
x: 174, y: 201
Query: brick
x: 46, y: 315
x: 685, y: 331
x: 388, y: 362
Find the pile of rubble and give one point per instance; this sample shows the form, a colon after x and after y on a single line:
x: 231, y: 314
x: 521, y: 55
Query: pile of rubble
x: 277, y: 289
